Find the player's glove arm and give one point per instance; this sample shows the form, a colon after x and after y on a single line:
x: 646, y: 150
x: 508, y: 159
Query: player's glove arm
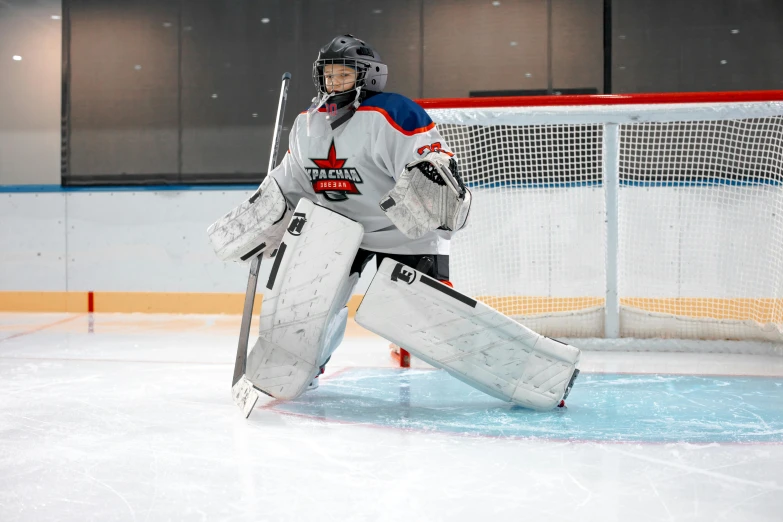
x: 429, y: 194
x: 257, y: 225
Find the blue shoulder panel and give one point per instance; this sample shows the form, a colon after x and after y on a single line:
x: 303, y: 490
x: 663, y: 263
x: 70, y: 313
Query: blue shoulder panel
x: 404, y: 112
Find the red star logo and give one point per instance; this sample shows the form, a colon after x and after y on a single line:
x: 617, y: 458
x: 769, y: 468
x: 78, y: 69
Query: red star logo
x: 331, y: 162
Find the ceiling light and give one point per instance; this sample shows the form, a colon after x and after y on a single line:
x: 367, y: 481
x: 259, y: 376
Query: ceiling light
x: 17, y: 58
x: 265, y: 20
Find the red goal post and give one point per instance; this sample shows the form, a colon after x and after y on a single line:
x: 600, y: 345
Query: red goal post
x: 602, y: 99
x: 624, y: 216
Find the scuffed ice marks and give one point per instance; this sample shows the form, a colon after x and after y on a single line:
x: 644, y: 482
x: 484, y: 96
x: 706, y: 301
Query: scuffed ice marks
x: 605, y: 407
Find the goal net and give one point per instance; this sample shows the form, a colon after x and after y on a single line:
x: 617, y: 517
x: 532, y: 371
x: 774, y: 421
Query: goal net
x: 643, y: 216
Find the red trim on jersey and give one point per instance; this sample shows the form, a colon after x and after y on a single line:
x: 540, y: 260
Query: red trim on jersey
x: 433, y: 147
x: 394, y: 124
x: 602, y: 99
x: 320, y: 109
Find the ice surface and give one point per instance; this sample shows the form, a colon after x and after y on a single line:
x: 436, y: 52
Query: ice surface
x: 602, y: 407
x: 135, y: 422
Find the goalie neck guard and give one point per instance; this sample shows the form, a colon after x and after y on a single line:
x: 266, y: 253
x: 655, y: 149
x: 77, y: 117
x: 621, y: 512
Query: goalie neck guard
x: 371, y: 74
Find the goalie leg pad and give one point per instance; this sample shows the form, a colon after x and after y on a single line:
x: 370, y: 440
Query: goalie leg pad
x: 303, y: 312
x: 473, y: 342
x: 256, y: 225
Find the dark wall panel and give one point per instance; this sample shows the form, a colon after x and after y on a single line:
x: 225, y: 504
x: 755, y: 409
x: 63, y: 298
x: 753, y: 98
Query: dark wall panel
x: 124, y: 112
x: 476, y: 46
x: 577, y: 44
x: 698, y: 45
x: 232, y: 62
x: 186, y: 91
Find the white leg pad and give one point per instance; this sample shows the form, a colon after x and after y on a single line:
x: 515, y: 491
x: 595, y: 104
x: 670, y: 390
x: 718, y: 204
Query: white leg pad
x: 473, y: 342
x: 304, y: 300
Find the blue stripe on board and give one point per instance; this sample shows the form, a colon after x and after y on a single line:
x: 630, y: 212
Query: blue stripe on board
x: 122, y: 188
x: 602, y: 407
x: 704, y: 182
x: 522, y: 183
x: 531, y: 184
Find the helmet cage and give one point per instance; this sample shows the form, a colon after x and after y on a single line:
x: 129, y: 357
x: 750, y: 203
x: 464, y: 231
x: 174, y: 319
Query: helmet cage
x: 319, y: 79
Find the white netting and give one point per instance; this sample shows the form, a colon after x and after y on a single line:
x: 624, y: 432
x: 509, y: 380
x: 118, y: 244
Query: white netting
x: 701, y: 229
x: 700, y: 206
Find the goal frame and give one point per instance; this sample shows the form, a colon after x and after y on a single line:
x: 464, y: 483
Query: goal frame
x: 611, y: 111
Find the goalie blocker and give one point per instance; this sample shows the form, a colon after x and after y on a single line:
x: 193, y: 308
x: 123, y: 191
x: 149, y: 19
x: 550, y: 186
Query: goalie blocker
x: 473, y: 342
x: 255, y: 226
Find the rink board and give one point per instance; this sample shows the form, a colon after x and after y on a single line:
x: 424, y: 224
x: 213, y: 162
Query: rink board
x: 602, y: 407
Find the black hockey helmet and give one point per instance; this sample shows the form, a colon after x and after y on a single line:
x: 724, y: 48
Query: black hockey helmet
x: 350, y: 51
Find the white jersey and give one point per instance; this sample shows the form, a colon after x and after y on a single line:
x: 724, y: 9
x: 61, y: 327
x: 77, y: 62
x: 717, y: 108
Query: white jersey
x: 351, y: 168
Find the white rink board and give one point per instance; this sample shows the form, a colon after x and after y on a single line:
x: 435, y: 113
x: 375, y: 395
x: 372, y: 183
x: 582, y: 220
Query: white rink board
x: 32, y: 239
x: 710, y: 241
x: 156, y: 241
x: 149, y: 241
x: 674, y: 242
x: 124, y: 241
x: 566, y: 258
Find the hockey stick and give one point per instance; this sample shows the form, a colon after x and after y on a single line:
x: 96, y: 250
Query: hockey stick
x: 245, y: 395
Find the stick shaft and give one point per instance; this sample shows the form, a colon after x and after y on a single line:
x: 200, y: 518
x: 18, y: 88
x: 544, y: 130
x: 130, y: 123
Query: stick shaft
x: 240, y: 363
x: 247, y: 318
x: 279, y: 122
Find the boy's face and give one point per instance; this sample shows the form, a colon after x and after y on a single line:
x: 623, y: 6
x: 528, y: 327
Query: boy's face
x: 339, y: 78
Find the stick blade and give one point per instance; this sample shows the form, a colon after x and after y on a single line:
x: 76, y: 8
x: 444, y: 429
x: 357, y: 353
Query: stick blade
x: 245, y: 396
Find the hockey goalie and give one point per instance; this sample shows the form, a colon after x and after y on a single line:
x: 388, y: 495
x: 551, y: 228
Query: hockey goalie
x: 367, y: 175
